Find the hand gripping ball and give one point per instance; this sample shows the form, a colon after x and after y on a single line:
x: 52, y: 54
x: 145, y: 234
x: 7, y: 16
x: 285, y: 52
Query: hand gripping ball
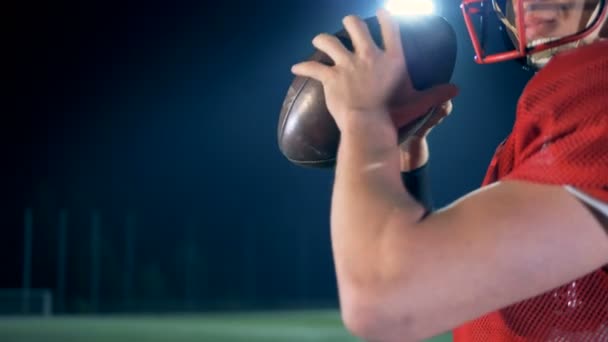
x: 307, y: 133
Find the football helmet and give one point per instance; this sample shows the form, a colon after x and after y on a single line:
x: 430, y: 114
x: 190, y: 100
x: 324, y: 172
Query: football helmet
x: 533, y: 30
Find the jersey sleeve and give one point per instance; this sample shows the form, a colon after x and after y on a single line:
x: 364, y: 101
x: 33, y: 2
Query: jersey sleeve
x: 574, y: 154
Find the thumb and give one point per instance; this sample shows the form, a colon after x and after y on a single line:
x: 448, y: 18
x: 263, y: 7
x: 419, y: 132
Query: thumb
x: 438, y: 94
x: 424, y: 101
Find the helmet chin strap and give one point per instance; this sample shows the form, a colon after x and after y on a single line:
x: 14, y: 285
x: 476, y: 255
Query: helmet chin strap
x: 503, y: 18
x: 540, y: 59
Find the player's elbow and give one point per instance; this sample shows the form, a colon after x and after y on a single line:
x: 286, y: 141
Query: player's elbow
x: 377, y: 303
x: 356, y: 317
x: 368, y: 318
x: 359, y: 319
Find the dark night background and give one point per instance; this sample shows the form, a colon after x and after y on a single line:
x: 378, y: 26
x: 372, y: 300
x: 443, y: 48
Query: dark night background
x: 167, y: 112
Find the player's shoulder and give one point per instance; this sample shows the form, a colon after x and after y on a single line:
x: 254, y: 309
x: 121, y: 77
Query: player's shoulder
x: 592, y: 53
x: 586, y: 64
x: 573, y: 83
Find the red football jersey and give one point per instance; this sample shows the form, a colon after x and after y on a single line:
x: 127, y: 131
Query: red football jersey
x: 560, y: 137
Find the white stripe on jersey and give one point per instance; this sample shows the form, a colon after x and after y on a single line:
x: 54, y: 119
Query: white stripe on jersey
x: 593, y: 202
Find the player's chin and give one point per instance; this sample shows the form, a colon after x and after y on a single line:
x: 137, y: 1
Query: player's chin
x: 535, y: 37
x: 537, y: 32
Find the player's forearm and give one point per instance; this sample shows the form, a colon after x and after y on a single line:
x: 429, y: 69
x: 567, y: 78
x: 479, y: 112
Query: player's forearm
x: 367, y: 193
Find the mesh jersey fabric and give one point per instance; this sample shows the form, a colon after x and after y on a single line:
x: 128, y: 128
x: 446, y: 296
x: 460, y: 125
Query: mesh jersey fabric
x: 560, y: 137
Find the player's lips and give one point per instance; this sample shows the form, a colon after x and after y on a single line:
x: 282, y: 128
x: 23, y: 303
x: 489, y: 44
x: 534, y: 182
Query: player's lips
x: 539, y: 27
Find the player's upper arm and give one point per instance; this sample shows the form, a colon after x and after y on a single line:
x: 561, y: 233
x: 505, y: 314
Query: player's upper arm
x: 497, y: 246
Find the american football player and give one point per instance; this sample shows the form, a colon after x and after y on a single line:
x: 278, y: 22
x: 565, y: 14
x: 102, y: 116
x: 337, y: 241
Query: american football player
x: 522, y: 257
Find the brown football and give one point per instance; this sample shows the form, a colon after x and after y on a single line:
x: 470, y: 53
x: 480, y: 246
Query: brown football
x: 308, y: 135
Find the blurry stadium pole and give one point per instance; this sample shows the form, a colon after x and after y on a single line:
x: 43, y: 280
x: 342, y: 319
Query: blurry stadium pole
x: 303, y: 264
x: 190, y: 262
x: 61, y: 259
x: 27, y: 259
x: 129, y: 260
x: 95, y: 261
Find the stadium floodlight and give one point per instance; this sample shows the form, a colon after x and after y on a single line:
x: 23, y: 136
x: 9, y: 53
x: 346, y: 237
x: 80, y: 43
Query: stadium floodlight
x: 410, y: 7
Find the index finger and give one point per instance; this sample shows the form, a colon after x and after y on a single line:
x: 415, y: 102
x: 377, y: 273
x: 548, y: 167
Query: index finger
x: 391, y: 34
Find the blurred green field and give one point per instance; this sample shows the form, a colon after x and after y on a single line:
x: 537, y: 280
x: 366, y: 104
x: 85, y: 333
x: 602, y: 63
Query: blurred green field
x: 288, y: 326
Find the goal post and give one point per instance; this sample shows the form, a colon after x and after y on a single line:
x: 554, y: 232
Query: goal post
x: 26, y: 302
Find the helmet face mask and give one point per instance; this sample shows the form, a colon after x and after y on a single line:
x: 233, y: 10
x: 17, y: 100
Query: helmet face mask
x: 536, y: 29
